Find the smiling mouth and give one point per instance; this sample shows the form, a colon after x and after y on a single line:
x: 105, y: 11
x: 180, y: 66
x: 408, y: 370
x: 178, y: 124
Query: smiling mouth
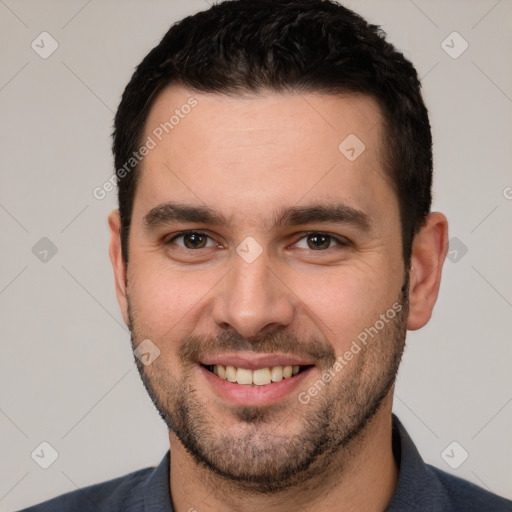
x: 260, y: 377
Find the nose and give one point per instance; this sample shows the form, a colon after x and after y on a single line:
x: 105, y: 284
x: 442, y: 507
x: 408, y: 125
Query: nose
x: 253, y: 299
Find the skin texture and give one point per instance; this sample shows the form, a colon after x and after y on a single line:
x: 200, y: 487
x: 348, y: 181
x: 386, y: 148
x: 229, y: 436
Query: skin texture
x: 248, y: 159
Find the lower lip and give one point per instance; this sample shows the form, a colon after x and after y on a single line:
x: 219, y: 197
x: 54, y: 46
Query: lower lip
x: 242, y: 394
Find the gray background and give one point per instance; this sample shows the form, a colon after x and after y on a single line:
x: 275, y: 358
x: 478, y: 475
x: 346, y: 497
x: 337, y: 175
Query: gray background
x: 67, y: 373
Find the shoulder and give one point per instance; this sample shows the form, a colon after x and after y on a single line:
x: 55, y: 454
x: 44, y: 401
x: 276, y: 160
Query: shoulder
x: 123, y: 493
x: 422, y: 487
x: 465, y: 496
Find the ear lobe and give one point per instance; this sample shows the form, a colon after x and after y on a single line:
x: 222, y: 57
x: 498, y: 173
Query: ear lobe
x: 429, y: 250
x: 118, y: 265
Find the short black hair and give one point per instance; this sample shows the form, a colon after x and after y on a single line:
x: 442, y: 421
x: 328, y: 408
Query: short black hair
x: 245, y: 46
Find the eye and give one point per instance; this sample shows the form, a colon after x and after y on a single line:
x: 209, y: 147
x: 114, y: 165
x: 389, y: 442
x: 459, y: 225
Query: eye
x: 318, y: 242
x: 191, y: 240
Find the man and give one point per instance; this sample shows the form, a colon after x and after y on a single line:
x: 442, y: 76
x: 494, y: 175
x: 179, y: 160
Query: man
x: 273, y: 244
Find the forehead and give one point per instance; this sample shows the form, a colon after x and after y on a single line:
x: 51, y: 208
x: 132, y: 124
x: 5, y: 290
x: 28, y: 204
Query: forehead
x: 259, y: 116
x: 253, y: 151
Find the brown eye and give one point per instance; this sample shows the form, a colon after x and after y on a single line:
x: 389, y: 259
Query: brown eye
x: 318, y: 241
x: 192, y: 240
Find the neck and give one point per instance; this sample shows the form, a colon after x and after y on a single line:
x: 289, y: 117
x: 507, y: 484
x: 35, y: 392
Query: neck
x: 363, y: 476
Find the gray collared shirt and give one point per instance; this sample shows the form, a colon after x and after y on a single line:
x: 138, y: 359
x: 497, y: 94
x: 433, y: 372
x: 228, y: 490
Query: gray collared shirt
x: 421, y: 488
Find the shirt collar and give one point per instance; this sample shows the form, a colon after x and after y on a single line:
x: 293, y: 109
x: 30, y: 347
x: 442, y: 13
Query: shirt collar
x: 157, y: 494
x: 415, y: 484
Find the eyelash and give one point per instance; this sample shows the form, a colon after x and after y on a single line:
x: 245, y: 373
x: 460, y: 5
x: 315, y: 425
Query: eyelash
x: 183, y: 233
x: 341, y: 241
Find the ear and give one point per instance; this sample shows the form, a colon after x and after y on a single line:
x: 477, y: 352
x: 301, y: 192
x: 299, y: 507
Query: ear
x: 429, y: 249
x: 116, y: 257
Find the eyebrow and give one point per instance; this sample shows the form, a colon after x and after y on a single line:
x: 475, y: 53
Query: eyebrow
x: 169, y: 213
x: 328, y: 213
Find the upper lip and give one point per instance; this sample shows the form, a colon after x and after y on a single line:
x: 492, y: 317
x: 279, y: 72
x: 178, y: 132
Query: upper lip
x: 253, y: 361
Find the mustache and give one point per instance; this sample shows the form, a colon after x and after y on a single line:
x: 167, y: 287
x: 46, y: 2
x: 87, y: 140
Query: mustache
x: 195, y: 348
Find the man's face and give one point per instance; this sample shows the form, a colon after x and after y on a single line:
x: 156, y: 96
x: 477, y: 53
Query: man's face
x: 295, y: 251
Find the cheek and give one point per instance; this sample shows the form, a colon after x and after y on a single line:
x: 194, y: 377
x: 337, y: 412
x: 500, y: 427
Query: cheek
x: 344, y: 302
x: 164, y: 300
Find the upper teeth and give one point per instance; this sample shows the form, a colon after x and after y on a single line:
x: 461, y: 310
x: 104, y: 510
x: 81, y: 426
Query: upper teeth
x: 259, y: 377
